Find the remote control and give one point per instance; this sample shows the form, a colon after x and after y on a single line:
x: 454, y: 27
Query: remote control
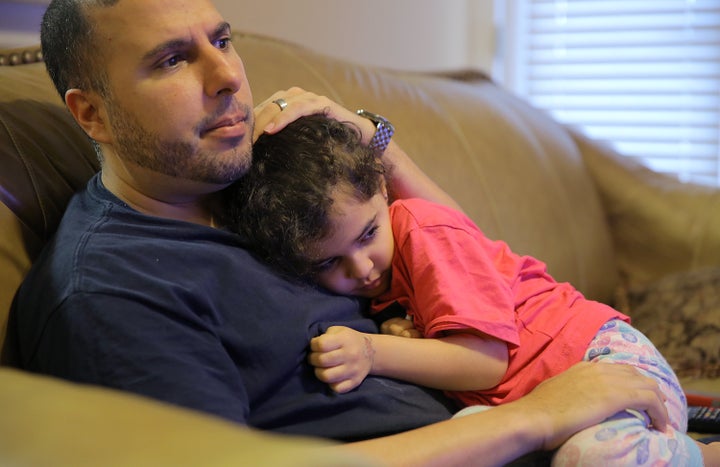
x: 704, y: 419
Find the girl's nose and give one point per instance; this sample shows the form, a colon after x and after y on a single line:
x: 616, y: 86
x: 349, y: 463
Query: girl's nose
x: 360, y: 266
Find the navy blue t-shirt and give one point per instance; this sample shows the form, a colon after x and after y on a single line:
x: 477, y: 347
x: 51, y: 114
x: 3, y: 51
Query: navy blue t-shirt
x: 180, y: 312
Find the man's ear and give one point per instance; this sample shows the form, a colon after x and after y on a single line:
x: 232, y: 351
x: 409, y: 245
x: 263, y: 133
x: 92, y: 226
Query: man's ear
x: 88, y: 110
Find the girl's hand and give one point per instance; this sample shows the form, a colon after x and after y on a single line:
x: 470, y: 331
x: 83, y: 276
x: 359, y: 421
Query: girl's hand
x: 401, y: 327
x: 342, y: 357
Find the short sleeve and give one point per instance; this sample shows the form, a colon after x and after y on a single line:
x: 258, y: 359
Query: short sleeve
x: 459, y: 279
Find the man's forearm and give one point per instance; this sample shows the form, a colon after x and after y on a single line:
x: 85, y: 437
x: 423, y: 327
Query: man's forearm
x: 582, y: 396
x: 407, y: 180
x: 493, y: 437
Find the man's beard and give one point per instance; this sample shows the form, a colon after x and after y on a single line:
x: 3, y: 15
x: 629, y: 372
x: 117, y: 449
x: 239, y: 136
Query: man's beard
x: 175, y: 158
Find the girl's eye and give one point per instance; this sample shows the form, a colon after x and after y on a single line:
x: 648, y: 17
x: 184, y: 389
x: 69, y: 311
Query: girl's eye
x: 370, y: 234
x: 325, y: 265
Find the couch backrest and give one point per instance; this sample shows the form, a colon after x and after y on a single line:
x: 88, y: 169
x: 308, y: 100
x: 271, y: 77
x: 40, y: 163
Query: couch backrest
x: 516, y: 172
x: 44, y: 159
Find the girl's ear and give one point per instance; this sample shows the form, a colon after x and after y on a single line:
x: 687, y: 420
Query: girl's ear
x: 88, y: 110
x: 383, y: 187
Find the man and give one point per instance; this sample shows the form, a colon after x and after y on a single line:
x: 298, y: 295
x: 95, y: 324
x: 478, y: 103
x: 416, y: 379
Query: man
x: 142, y: 292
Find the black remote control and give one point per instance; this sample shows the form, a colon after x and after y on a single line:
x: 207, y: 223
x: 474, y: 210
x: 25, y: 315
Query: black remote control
x: 704, y: 419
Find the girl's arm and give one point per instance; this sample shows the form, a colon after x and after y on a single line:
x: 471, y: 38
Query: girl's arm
x: 343, y: 357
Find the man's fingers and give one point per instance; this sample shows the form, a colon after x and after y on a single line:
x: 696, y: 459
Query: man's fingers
x: 588, y: 393
x: 655, y: 408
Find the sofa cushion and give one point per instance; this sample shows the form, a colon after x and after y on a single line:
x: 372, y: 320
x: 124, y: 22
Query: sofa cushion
x: 45, y: 158
x: 680, y: 314
x: 659, y: 224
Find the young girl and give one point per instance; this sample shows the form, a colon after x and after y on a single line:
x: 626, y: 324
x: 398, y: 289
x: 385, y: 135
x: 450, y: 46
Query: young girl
x: 314, y: 206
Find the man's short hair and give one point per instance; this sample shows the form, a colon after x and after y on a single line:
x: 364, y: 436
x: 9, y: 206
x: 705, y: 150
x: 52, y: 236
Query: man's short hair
x: 72, y: 56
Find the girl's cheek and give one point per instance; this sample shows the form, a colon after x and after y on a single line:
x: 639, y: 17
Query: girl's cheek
x: 341, y: 286
x: 330, y: 282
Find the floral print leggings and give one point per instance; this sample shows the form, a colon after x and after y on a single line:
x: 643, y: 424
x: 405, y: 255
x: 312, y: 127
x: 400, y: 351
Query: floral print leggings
x: 626, y: 439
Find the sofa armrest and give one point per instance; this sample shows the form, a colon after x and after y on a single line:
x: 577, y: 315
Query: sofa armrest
x: 659, y: 224
x: 50, y: 422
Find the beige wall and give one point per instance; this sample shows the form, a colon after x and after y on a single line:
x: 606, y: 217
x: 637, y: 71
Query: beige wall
x: 418, y: 35
x: 421, y: 35
x: 20, y: 22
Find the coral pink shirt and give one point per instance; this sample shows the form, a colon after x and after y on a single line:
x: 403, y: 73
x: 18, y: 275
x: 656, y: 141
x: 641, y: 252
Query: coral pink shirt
x: 450, y: 277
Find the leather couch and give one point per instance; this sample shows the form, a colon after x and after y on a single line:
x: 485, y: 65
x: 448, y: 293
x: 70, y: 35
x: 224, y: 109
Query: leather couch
x: 599, y: 220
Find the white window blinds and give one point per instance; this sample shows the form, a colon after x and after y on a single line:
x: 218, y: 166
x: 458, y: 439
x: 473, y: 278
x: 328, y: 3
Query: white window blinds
x: 643, y: 75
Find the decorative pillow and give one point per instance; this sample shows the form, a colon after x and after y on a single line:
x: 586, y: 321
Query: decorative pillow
x: 680, y: 314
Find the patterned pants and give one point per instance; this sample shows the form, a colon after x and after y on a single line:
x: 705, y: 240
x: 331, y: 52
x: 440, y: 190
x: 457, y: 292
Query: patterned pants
x: 625, y: 439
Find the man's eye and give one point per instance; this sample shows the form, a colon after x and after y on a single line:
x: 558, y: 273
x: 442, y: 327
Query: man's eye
x: 171, y: 62
x: 223, y: 43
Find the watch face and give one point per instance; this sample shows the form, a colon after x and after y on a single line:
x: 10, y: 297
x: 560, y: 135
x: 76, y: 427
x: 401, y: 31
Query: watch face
x: 377, y: 119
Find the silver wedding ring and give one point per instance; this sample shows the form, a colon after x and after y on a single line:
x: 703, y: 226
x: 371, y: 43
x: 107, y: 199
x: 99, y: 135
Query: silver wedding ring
x: 280, y: 103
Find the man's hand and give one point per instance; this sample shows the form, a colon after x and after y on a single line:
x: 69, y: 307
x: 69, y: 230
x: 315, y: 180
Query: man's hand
x: 269, y: 118
x: 406, y: 178
x: 342, y: 357
x: 400, y: 327
x: 586, y: 394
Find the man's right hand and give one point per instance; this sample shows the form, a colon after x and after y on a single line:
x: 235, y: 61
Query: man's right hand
x: 588, y: 393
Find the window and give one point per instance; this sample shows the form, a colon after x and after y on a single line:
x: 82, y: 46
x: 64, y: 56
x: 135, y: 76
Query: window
x: 641, y: 75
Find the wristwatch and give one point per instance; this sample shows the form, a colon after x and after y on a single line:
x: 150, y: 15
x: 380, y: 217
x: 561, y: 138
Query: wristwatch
x: 384, y: 131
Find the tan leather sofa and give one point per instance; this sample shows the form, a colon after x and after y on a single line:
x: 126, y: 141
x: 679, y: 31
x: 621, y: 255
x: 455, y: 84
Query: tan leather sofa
x: 598, y: 220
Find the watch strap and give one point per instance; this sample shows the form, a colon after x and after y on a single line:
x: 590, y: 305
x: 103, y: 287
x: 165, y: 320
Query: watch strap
x: 384, y: 131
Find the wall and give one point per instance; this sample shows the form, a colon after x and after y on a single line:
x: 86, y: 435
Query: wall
x: 20, y: 22
x: 419, y: 35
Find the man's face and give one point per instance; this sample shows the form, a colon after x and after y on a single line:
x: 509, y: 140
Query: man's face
x: 179, y: 102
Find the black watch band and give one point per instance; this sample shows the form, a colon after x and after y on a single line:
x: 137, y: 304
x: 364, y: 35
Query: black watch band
x: 384, y: 131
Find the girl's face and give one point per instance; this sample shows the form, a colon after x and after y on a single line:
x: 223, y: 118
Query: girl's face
x: 355, y: 258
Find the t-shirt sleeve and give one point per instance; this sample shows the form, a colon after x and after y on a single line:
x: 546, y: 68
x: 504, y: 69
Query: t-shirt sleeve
x: 460, y: 279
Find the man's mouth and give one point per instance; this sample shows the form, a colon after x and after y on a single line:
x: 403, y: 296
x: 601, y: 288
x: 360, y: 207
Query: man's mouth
x: 231, y: 120
x: 231, y: 126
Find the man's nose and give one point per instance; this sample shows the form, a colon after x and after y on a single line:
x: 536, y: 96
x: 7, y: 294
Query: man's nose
x: 223, y: 72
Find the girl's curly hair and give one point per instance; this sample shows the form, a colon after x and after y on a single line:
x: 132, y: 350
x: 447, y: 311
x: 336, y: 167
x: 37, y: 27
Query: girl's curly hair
x: 280, y: 207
